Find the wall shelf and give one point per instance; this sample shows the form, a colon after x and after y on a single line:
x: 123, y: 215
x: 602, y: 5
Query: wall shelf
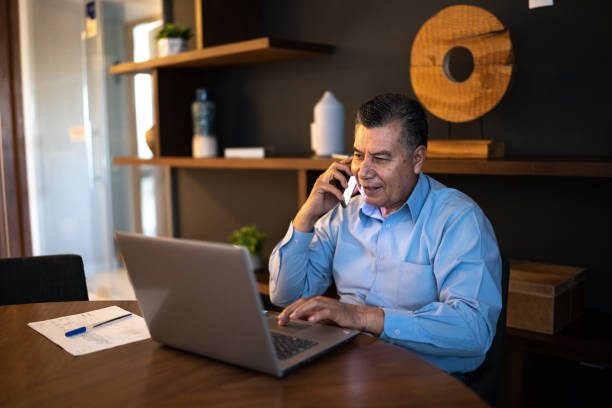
x: 559, y: 167
x: 257, y: 51
x: 507, y: 167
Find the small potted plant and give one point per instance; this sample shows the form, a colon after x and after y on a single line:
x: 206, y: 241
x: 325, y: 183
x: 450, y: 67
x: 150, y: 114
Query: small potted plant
x: 172, y: 39
x: 251, y: 238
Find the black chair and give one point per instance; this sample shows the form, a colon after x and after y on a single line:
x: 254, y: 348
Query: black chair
x: 485, y: 380
x: 55, y: 278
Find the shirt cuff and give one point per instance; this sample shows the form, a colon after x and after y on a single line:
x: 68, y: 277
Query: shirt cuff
x: 398, y: 325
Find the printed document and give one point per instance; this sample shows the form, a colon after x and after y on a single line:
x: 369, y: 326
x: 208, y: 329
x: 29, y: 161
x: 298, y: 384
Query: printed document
x: 123, y: 331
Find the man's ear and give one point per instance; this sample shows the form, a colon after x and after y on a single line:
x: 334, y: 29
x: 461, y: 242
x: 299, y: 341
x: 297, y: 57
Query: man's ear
x: 418, y: 158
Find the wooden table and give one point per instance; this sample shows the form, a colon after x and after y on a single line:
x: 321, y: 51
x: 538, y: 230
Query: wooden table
x: 365, y: 372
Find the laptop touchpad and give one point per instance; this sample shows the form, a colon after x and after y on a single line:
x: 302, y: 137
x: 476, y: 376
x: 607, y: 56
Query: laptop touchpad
x: 290, y: 328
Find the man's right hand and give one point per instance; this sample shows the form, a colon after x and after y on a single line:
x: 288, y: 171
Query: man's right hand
x: 324, y: 195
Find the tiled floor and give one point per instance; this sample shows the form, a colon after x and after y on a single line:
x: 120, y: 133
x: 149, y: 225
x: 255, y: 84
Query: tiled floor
x: 110, y: 285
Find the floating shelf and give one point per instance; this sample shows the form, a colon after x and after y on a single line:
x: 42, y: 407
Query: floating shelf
x: 281, y: 163
x: 509, y: 166
x: 257, y: 51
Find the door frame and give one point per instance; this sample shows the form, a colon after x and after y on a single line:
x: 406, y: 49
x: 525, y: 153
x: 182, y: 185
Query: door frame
x: 15, y: 239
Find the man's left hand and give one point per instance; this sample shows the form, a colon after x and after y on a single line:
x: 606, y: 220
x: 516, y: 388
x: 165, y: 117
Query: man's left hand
x: 320, y: 308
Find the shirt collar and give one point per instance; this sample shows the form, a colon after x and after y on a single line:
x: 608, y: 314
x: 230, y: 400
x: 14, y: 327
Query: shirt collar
x: 418, y: 196
x: 415, y: 201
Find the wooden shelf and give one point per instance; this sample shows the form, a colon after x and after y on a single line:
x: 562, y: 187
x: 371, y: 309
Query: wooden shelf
x: 280, y: 163
x: 507, y: 167
x: 257, y: 51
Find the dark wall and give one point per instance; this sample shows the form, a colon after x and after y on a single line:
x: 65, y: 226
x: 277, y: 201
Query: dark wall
x: 557, y: 105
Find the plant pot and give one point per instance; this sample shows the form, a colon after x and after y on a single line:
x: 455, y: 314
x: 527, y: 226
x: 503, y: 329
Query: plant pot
x: 170, y: 46
x: 256, y: 262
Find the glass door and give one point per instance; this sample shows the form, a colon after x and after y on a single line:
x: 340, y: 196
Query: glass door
x: 76, y: 118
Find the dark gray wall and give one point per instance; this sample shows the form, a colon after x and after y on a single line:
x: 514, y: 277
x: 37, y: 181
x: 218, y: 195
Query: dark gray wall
x: 557, y: 105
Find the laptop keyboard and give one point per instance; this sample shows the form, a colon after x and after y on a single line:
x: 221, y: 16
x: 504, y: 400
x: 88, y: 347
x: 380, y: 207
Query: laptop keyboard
x: 289, y: 346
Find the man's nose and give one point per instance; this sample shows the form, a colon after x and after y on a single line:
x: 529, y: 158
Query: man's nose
x: 365, y: 169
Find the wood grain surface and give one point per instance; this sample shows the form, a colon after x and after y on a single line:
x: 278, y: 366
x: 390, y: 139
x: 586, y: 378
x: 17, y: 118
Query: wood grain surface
x: 465, y: 149
x: 365, y: 372
x: 257, y: 51
x: 526, y: 166
x: 489, y: 42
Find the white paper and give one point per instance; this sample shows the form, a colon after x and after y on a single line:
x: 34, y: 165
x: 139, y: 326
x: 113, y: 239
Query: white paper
x: 540, y: 3
x: 122, y: 331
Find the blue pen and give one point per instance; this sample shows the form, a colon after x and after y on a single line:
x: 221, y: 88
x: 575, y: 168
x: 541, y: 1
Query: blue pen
x: 83, y: 329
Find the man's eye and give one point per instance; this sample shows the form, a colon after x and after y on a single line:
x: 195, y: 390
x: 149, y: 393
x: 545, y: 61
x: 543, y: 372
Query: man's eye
x: 380, y: 158
x: 357, y: 156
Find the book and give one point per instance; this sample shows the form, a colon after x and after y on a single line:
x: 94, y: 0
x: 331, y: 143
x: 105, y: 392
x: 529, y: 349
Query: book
x: 244, y: 152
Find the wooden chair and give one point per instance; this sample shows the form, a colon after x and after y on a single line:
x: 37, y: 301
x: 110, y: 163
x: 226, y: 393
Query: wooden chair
x: 485, y: 380
x: 55, y: 278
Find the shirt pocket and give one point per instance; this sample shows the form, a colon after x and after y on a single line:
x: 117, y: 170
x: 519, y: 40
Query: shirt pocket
x: 416, y: 286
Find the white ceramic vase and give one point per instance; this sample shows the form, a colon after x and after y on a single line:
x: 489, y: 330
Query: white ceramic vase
x: 327, y: 130
x: 170, y: 46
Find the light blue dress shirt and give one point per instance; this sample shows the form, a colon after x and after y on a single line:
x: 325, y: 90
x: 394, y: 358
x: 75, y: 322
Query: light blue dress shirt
x: 433, y: 266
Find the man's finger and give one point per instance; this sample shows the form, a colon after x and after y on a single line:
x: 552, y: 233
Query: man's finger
x: 345, y: 165
x: 309, y: 307
x: 289, y: 309
x: 333, y: 190
x: 323, y: 314
x: 340, y: 177
x: 283, y: 317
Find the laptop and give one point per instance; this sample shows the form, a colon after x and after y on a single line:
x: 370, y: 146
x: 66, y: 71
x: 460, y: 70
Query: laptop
x: 202, y: 297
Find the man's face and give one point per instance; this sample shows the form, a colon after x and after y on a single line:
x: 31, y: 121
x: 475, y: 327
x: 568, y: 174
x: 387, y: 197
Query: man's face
x: 385, y: 171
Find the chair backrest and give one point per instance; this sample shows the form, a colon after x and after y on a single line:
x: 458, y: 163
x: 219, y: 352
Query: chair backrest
x: 54, y: 278
x: 485, y: 380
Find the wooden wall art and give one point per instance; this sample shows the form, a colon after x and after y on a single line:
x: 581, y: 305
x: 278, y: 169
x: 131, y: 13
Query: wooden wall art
x: 444, y: 51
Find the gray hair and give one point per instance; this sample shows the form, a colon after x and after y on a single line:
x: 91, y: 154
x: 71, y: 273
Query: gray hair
x: 386, y: 108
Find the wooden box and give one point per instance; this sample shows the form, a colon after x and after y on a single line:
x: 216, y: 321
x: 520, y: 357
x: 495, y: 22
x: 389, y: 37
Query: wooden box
x: 465, y: 149
x: 544, y: 298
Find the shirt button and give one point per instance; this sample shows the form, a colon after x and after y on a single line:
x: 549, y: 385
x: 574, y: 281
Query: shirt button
x: 437, y: 341
x: 377, y: 290
x: 388, y: 225
x: 295, y: 241
x: 396, y: 331
x: 382, y: 257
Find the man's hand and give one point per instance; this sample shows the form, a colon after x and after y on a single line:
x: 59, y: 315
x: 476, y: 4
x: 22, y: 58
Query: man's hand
x: 324, y: 195
x: 319, y: 308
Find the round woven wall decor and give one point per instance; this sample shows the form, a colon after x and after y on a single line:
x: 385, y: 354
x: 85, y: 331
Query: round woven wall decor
x: 470, y: 35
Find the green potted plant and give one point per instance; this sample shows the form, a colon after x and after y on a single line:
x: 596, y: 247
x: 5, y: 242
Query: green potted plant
x: 252, y: 238
x: 172, y: 39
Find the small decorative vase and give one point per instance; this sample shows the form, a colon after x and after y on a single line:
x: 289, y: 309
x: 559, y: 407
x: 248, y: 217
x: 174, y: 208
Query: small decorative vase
x: 170, y: 46
x: 255, y: 262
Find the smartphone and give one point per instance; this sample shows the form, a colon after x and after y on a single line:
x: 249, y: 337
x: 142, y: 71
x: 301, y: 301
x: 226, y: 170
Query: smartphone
x: 348, y: 193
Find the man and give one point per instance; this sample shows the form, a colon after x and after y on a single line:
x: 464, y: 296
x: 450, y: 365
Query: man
x: 414, y: 262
